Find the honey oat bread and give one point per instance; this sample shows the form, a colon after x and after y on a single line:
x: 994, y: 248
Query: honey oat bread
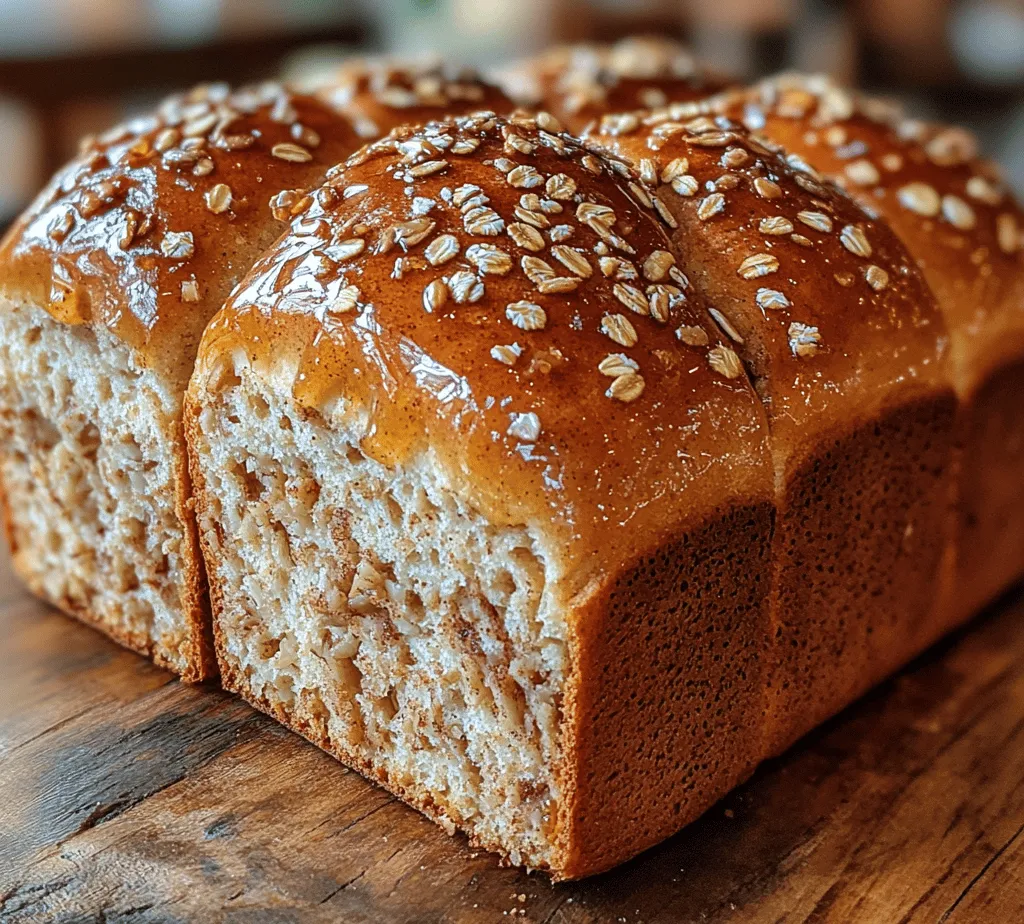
x: 964, y: 230
x: 578, y: 83
x: 845, y: 345
x: 485, y: 507
x: 106, y: 285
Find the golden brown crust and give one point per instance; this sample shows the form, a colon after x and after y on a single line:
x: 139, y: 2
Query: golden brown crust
x: 989, y: 546
x: 668, y: 718
x: 515, y: 303
x: 948, y: 207
x: 823, y: 303
x: 580, y: 83
x: 860, y: 534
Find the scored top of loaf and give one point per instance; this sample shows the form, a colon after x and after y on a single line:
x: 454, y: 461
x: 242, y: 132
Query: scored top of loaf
x: 580, y: 82
x: 488, y: 293
x: 148, y: 229
x: 948, y: 206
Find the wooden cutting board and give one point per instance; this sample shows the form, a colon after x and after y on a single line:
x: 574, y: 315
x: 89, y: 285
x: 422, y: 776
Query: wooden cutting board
x: 126, y: 796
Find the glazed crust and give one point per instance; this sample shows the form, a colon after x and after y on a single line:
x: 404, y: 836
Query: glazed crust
x: 948, y: 206
x: 814, y: 290
x: 379, y: 94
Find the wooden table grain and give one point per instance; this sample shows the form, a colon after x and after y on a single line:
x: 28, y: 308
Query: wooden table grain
x: 126, y: 796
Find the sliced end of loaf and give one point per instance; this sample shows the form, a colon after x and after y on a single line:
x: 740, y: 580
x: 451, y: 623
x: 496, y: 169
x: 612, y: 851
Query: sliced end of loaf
x: 371, y: 610
x: 94, y: 476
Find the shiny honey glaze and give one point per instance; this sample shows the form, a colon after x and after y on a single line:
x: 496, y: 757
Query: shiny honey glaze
x: 563, y: 374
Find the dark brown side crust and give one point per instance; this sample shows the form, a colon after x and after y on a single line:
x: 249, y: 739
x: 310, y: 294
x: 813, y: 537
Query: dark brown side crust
x: 667, y: 715
x: 991, y: 509
x: 857, y: 548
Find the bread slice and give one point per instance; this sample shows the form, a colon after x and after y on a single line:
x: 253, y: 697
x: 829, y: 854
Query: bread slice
x: 484, y: 517
x: 106, y: 284
x: 963, y: 230
x: 847, y: 350
x: 95, y: 486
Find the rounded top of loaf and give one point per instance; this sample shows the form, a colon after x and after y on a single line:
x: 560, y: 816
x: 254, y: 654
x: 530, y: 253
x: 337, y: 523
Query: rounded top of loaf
x: 488, y: 295
x: 150, y: 227
x: 948, y: 206
x: 379, y: 94
x: 579, y: 83
x: 821, y: 300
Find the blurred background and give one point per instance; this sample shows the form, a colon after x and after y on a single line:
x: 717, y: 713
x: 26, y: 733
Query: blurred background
x: 68, y: 67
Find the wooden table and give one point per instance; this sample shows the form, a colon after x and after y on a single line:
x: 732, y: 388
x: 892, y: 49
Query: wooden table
x: 126, y: 796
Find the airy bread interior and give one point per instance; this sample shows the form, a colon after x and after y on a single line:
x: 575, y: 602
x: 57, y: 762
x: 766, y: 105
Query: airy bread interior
x: 92, y: 457
x: 371, y: 609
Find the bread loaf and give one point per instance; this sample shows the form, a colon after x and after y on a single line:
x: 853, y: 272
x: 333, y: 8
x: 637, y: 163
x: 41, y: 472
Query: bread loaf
x: 106, y: 285
x: 552, y: 483
x: 485, y: 501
